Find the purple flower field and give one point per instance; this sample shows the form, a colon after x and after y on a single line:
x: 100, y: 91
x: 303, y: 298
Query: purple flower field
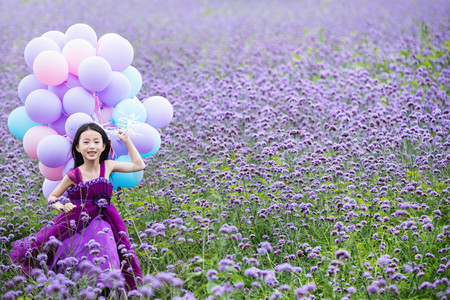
x: 308, y: 156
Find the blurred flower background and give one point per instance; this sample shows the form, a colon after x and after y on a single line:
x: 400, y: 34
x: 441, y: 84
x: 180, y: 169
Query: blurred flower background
x: 308, y: 156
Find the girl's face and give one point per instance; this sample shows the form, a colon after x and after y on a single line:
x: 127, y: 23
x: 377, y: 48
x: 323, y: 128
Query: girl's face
x: 90, y: 145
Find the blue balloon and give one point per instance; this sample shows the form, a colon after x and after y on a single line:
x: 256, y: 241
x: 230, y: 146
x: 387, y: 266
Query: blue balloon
x: 135, y: 79
x: 19, y: 122
x: 126, y: 180
x: 128, y: 112
x: 155, y: 149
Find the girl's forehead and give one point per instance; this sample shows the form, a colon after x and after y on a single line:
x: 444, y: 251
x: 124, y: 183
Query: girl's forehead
x: 90, y: 134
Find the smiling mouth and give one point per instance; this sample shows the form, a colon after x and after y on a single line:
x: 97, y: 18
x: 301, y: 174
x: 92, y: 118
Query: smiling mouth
x: 92, y: 153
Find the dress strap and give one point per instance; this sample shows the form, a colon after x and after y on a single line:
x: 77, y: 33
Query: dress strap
x: 102, y: 168
x: 75, y: 176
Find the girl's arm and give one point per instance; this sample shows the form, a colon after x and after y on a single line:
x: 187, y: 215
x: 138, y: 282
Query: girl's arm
x: 58, y: 191
x: 136, y: 164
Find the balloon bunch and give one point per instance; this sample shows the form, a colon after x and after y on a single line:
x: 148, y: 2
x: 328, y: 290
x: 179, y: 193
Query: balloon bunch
x: 78, y: 79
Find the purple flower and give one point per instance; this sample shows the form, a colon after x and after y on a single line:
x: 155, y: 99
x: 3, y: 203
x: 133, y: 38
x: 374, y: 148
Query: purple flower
x: 284, y: 267
x: 211, y: 274
x: 342, y: 254
x: 300, y: 292
x: 239, y: 285
x: 372, y: 289
x: 264, y: 248
x: 384, y: 260
x: 309, y: 287
x: 276, y: 295
x: 425, y: 285
x: 224, y: 263
x: 146, y: 291
x: 284, y: 287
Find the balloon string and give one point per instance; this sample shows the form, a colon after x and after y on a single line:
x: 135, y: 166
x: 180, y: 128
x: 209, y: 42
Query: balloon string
x: 98, y: 116
x: 98, y: 105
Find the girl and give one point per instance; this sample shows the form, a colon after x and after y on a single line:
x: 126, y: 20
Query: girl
x: 89, y: 228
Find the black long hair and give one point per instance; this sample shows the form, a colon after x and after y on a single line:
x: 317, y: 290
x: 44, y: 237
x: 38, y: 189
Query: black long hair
x: 77, y: 157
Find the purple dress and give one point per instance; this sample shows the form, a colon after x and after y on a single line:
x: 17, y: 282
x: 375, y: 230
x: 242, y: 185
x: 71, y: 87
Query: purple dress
x: 93, y: 231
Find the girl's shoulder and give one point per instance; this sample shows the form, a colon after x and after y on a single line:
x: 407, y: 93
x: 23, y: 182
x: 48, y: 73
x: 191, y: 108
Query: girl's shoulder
x: 109, y: 164
x: 74, y: 175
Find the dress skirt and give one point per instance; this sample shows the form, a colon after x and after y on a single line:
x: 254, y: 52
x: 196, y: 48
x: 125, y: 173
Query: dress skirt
x: 95, y: 244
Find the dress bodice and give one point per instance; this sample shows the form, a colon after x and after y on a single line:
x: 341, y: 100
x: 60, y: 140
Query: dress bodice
x: 90, y: 190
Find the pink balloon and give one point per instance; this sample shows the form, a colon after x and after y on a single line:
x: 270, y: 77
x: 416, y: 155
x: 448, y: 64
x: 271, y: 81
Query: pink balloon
x: 53, y: 174
x: 36, y: 46
x: 51, y: 68
x: 32, y: 138
x: 75, y: 51
x: 105, y: 116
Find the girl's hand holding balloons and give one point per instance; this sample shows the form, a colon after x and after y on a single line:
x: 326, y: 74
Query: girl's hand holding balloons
x: 123, y: 135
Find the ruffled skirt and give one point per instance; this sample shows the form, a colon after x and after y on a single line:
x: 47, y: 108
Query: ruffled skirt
x: 93, y: 247
x: 85, y: 239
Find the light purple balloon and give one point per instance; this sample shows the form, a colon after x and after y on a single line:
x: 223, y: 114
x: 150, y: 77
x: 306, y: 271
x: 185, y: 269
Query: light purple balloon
x: 36, y: 46
x: 94, y: 73
x: 81, y: 31
x: 78, y: 99
x: 28, y: 84
x: 43, y: 106
x: 119, y: 147
x: 69, y: 165
x: 144, y: 137
x: 59, y: 125
x: 60, y: 90
x: 57, y: 36
x: 117, y: 90
x: 54, y: 150
x: 117, y: 51
x: 159, y: 111
x: 48, y: 187
x: 75, y: 121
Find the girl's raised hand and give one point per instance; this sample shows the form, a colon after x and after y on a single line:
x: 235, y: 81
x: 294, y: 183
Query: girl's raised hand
x: 123, y: 135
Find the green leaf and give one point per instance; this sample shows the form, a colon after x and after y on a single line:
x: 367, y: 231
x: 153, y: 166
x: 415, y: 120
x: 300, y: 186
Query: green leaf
x: 236, y: 278
x: 210, y: 285
x: 196, y: 274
